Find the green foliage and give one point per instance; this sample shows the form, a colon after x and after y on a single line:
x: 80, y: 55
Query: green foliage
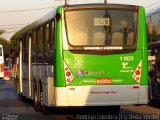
x: 2, y: 31
x: 6, y: 44
x: 6, y: 47
x: 12, y: 41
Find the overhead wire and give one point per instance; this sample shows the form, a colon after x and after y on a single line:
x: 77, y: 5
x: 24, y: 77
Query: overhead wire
x: 148, y: 8
x: 11, y: 27
x: 25, y: 10
x: 15, y: 26
x: 6, y: 25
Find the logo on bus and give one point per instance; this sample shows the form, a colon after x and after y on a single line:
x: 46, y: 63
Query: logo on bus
x: 94, y: 73
x: 80, y: 73
x: 104, y: 81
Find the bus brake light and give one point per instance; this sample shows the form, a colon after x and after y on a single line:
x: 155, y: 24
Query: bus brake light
x: 137, y: 74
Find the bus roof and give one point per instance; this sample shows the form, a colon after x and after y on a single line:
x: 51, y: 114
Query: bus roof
x: 115, y: 6
x: 52, y: 14
x: 36, y: 23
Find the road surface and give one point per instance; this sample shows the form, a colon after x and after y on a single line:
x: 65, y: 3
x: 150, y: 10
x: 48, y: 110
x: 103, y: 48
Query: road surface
x: 14, y: 108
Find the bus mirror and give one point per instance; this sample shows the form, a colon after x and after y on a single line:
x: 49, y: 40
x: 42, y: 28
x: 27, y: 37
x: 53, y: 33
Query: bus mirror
x: 58, y: 16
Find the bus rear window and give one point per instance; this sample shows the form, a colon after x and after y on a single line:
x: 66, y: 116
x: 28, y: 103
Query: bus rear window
x: 95, y: 28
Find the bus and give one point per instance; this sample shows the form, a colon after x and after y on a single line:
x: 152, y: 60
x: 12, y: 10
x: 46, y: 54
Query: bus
x: 153, y: 24
x: 1, y: 62
x: 154, y: 72
x: 84, y: 55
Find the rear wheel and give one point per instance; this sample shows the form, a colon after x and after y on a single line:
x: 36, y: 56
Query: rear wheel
x: 21, y: 97
x: 44, y: 108
x: 37, y: 104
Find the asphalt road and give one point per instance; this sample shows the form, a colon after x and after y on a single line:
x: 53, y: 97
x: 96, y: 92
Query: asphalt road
x: 14, y: 108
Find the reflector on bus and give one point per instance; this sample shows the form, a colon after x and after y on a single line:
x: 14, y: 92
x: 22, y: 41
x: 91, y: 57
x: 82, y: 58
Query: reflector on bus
x: 137, y: 73
x: 68, y: 74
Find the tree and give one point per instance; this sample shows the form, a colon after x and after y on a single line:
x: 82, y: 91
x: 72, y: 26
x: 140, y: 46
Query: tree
x: 6, y: 44
x: 6, y: 47
x: 1, y: 32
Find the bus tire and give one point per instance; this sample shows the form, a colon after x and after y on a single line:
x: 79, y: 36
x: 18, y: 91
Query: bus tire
x: 44, y: 109
x: 21, y: 97
x: 37, y: 105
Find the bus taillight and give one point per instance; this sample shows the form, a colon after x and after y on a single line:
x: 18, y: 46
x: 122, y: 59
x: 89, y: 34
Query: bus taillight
x: 136, y: 8
x: 68, y: 74
x: 2, y: 67
x: 137, y: 74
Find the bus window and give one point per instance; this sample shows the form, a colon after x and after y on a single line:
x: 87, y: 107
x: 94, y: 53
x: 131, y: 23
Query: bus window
x: 47, y: 33
x: 117, y: 36
x: 52, y: 37
x: 46, y: 43
x: 34, y: 47
x: 51, y: 44
x: 103, y: 28
x: 40, y: 45
x: 158, y: 64
x: 130, y: 38
x: 25, y: 49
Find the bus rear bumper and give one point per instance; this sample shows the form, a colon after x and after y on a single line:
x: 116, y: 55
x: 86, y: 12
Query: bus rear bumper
x: 105, y: 95
x: 143, y: 99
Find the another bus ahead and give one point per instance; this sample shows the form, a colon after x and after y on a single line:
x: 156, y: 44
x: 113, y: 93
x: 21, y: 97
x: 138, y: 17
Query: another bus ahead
x: 153, y: 22
x: 1, y: 62
x: 154, y: 72
x: 84, y: 55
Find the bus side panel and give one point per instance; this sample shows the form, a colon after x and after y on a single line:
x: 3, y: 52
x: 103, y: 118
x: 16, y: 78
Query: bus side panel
x: 142, y: 44
x: 59, y: 70
x: 59, y: 82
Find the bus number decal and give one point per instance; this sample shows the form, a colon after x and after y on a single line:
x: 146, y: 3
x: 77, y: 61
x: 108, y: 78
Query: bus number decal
x: 127, y: 58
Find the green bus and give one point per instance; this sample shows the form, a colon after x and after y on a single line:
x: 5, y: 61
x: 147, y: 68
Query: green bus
x: 84, y: 55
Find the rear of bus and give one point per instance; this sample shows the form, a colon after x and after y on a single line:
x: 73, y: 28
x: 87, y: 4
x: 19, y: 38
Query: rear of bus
x: 101, y: 56
x: 1, y: 62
